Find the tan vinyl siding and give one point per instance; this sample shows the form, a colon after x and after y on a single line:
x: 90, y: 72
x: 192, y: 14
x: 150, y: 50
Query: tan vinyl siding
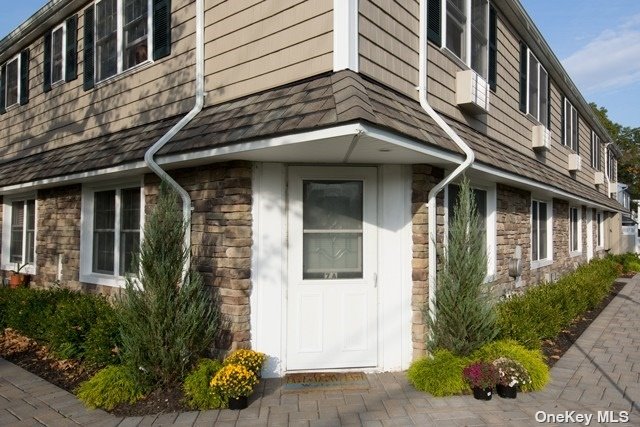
x: 251, y: 46
x: 389, y: 53
x: 292, y: 40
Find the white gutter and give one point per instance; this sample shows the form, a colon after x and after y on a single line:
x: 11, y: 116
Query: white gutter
x: 148, y: 156
x: 422, y: 92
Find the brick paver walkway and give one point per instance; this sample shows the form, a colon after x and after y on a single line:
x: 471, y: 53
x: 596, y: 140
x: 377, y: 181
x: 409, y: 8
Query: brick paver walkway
x: 601, y: 372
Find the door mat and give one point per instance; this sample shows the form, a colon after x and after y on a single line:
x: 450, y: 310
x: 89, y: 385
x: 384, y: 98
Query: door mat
x: 325, y: 381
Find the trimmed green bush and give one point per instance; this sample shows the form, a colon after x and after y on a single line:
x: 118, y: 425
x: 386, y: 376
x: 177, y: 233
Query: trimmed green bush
x: 102, y: 343
x: 531, y: 360
x: 110, y: 387
x: 630, y: 262
x: 545, y: 310
x: 197, y: 391
x: 74, y: 324
x: 440, y: 375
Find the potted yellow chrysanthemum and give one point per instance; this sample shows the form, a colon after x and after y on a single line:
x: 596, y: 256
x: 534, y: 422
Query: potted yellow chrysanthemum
x: 250, y: 359
x: 234, y: 383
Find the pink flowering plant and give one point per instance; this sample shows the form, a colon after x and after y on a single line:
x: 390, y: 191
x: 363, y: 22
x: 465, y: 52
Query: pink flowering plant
x: 480, y: 375
x: 511, y: 373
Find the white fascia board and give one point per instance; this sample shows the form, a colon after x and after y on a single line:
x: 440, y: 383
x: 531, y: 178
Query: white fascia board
x: 332, y: 132
x: 345, y: 35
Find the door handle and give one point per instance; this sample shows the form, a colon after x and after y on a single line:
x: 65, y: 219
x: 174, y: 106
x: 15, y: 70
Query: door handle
x: 375, y: 280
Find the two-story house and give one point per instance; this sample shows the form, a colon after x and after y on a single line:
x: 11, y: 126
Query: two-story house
x: 317, y: 144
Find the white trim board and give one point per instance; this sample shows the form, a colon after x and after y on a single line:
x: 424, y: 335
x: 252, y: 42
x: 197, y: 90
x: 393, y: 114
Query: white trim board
x: 345, y: 35
x: 139, y: 167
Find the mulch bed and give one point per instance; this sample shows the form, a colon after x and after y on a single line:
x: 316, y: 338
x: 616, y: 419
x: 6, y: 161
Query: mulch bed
x: 68, y: 374
x: 555, y: 348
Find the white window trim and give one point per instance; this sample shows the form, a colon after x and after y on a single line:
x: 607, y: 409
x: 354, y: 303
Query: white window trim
x: 86, y: 232
x: 6, y: 233
x: 578, y: 251
x: 119, y: 49
x: 549, y: 259
x: 540, y: 66
x: 465, y: 62
x: 6, y: 87
x: 64, y: 54
x: 491, y: 228
x: 568, y: 112
x: 600, y: 239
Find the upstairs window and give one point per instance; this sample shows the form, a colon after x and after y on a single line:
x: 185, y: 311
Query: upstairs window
x: 57, y: 53
x: 60, y: 59
x: 570, y: 126
x: 467, y: 29
x: 14, y: 81
x: 595, y: 151
x: 13, y: 85
x: 610, y: 167
x: 121, y: 34
x: 534, y: 87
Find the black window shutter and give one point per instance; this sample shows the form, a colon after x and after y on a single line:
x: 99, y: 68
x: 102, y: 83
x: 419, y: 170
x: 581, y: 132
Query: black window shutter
x: 88, y: 48
x: 434, y: 27
x: 71, y: 70
x: 563, y: 125
x: 3, y: 74
x: 548, y: 102
x: 523, y: 77
x: 577, y: 133
x: 493, y: 49
x: 46, y: 72
x: 161, y: 28
x: 25, y: 57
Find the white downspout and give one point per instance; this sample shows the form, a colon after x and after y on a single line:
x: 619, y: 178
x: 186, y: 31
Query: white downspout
x: 422, y: 92
x: 199, y: 103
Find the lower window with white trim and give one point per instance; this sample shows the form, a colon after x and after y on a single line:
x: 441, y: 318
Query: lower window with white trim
x: 111, y: 233
x: 19, y: 234
x: 575, y: 231
x: 485, y: 199
x: 599, y: 238
x: 541, y: 233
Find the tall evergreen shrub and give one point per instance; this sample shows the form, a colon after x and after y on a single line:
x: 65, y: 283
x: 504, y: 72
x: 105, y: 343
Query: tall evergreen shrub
x: 464, y: 318
x: 168, y: 320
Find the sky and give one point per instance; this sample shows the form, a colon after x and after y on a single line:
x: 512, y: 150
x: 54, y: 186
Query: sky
x: 597, y: 41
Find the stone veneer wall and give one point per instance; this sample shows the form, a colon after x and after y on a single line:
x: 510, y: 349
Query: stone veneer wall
x: 220, y: 238
x: 425, y: 177
x: 58, y: 234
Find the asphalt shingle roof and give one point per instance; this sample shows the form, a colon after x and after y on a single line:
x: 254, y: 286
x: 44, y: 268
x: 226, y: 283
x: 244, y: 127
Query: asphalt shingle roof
x: 319, y: 102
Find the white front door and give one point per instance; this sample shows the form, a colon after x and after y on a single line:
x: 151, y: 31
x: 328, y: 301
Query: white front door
x: 332, y: 267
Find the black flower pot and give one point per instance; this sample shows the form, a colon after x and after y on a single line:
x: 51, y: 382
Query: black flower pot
x: 482, y: 393
x: 238, y: 403
x: 506, y: 391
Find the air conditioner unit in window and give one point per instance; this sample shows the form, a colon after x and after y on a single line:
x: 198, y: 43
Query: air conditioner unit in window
x: 540, y: 138
x: 575, y: 162
x: 598, y: 178
x: 613, y: 188
x: 472, y: 92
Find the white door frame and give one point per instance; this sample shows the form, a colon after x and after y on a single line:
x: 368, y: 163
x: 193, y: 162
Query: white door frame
x: 269, y: 267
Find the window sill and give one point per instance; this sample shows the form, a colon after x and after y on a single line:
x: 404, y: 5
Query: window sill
x: 574, y: 254
x: 29, y: 269
x: 540, y: 263
x: 103, y: 280
x: 12, y: 107
x: 124, y: 73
